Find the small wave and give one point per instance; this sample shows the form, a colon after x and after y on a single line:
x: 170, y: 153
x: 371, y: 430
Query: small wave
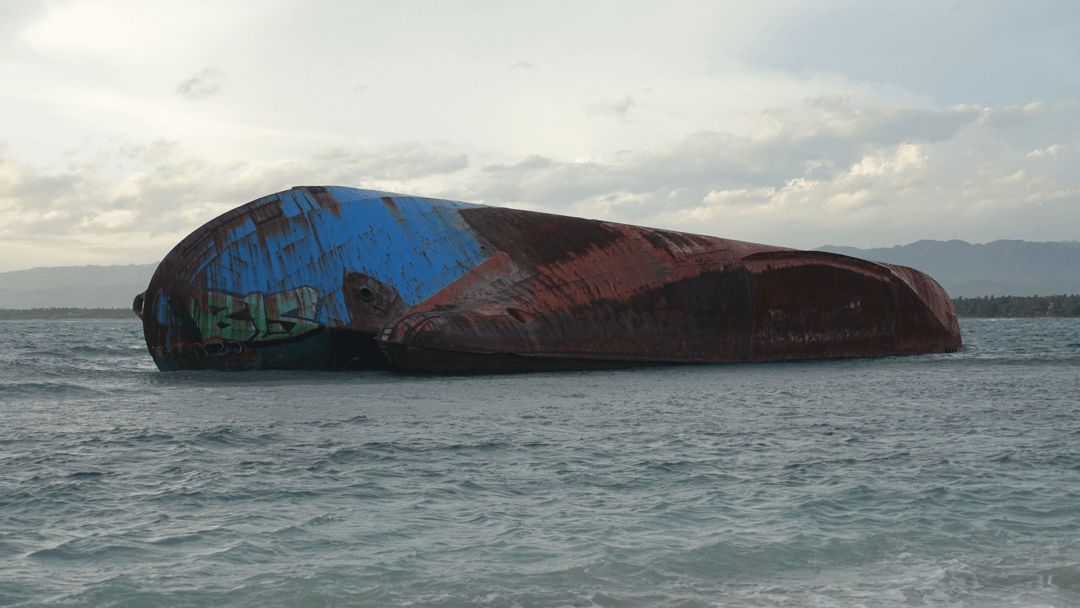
x: 373, y: 450
x: 246, y: 552
x: 484, y: 446
x: 329, y: 424
x: 86, y: 475
x: 46, y: 389
x: 90, y: 548
x: 996, y: 580
x: 1065, y: 577
x: 198, y: 537
x: 105, y: 351
x: 226, y: 436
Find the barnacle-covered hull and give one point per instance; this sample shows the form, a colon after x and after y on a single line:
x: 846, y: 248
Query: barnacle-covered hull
x: 341, y: 278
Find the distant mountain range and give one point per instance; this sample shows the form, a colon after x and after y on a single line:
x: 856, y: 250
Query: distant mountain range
x: 74, y: 286
x: 1006, y: 268
x: 1018, y: 268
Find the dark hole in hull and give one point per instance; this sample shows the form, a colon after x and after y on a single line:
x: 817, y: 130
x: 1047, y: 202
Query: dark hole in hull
x: 354, y: 350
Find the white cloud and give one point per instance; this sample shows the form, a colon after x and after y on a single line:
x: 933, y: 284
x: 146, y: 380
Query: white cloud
x: 670, y: 115
x: 397, y: 162
x: 114, y: 219
x: 905, y: 158
x: 618, y: 107
x: 202, y: 85
x: 1050, y: 150
x: 152, y: 195
x: 864, y: 176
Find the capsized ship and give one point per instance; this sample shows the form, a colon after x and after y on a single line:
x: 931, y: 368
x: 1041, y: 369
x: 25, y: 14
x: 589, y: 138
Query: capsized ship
x: 343, y: 278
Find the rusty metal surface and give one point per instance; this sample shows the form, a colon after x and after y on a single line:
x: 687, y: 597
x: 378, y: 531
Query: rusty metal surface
x: 337, y: 278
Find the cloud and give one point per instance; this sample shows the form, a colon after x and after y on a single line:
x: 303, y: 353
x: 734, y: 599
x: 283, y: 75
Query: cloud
x: 821, y: 171
x: 814, y: 139
x: 1050, y: 150
x: 134, y: 202
x: 202, y: 85
x: 829, y: 171
x: 157, y: 188
x: 396, y: 162
x: 618, y: 107
x: 14, y: 16
x: 991, y: 52
x: 523, y: 65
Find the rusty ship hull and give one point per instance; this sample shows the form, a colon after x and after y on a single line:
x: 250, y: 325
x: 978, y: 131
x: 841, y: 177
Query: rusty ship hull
x: 342, y: 278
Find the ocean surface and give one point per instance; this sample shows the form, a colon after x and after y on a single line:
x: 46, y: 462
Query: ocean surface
x: 940, y: 480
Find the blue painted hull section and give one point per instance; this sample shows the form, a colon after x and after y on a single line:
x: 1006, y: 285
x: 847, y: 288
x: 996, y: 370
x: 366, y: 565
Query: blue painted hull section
x: 416, y: 245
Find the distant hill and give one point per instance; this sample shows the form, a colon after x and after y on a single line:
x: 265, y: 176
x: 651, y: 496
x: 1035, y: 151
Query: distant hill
x: 1004, y: 268
x: 74, y: 286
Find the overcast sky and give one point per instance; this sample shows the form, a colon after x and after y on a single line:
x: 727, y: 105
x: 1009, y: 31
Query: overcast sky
x: 127, y: 124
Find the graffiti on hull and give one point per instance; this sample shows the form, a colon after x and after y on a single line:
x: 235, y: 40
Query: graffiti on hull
x: 254, y: 318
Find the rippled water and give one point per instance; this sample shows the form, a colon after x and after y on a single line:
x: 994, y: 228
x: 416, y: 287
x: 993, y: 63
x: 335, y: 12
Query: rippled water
x: 915, y: 481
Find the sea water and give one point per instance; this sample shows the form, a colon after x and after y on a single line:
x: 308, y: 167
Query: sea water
x: 938, y: 480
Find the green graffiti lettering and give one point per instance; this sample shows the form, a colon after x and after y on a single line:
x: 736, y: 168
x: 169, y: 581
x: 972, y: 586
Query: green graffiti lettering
x: 255, y: 317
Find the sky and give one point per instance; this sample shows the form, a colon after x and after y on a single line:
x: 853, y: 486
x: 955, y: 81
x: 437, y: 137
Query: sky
x: 125, y: 125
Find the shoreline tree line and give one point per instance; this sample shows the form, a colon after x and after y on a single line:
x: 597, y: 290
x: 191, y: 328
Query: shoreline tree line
x: 1018, y: 306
